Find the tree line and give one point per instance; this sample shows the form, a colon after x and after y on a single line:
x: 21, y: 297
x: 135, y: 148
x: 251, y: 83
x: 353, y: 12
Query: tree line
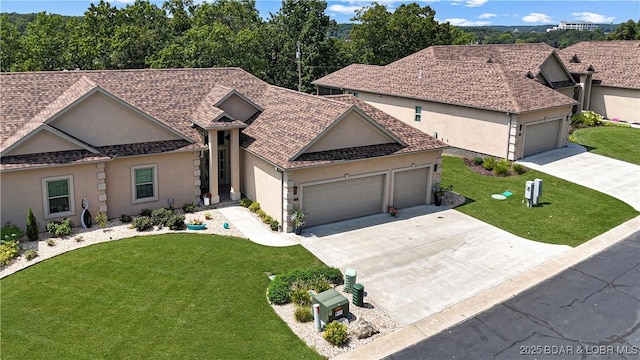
x: 185, y: 34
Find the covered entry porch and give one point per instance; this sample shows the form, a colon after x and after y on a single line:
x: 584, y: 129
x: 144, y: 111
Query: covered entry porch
x: 220, y: 165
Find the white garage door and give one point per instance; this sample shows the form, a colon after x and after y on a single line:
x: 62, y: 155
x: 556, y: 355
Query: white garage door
x: 410, y: 187
x: 541, y: 137
x: 342, y: 200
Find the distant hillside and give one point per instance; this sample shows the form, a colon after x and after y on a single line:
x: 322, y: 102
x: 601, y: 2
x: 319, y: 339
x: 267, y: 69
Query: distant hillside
x: 606, y: 28
x: 22, y: 20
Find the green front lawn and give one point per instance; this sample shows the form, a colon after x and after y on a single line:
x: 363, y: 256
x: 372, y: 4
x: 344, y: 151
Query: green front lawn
x: 173, y: 296
x: 620, y: 143
x: 569, y: 214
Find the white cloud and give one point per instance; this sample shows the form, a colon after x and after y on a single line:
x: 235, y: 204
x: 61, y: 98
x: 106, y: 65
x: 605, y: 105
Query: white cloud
x: 465, y: 22
x: 592, y: 17
x: 487, y: 16
x: 537, y: 18
x: 475, y: 3
x: 124, y: 1
x: 341, y: 9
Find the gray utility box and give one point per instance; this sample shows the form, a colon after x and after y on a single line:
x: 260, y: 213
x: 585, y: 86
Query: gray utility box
x: 333, y: 305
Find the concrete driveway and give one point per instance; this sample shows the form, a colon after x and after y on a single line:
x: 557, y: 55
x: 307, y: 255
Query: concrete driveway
x: 425, y: 260
x: 573, y: 163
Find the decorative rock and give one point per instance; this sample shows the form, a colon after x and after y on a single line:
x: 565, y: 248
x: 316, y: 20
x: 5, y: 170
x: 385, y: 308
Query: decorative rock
x: 362, y: 329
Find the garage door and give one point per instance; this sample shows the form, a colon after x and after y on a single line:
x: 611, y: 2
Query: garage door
x: 341, y: 200
x: 541, y: 137
x: 410, y: 187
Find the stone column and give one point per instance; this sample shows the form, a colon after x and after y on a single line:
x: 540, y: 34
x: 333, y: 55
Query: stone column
x: 102, y: 187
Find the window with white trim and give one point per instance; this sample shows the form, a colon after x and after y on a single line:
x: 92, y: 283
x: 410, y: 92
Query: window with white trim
x: 144, y: 183
x: 58, y: 196
x: 418, y: 113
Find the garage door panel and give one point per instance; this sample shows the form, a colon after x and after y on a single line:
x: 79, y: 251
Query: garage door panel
x: 410, y: 187
x: 541, y: 137
x: 342, y: 200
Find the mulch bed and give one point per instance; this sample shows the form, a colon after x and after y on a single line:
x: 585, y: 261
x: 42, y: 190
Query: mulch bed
x: 482, y: 171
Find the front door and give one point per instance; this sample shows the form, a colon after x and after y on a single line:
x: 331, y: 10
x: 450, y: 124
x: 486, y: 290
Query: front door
x: 223, y: 166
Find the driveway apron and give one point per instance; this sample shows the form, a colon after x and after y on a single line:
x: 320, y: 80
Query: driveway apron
x: 573, y: 163
x: 425, y: 260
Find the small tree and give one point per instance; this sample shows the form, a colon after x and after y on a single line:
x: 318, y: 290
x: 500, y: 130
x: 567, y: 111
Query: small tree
x: 32, y: 226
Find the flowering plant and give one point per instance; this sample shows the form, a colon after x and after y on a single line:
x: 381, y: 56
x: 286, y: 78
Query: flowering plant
x: 207, y: 195
x: 297, y: 217
x: 393, y: 211
x: 196, y: 222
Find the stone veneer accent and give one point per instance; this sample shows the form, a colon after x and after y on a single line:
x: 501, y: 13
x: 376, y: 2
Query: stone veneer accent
x: 102, y: 187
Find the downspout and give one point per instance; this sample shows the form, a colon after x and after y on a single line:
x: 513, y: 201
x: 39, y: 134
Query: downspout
x: 509, y: 134
x: 281, y: 171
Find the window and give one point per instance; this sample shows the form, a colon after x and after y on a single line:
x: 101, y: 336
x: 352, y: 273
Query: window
x: 144, y: 183
x: 58, y: 196
x: 418, y: 113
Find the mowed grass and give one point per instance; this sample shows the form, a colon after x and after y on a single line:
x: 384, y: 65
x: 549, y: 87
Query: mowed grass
x: 173, y: 296
x: 615, y: 142
x: 569, y: 214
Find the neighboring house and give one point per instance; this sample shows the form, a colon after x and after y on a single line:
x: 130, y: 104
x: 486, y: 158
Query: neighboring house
x: 134, y: 139
x: 508, y: 101
x: 609, y: 77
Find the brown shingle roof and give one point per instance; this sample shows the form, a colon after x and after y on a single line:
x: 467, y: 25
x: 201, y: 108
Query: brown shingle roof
x: 615, y: 62
x: 289, y: 121
x: 482, y: 85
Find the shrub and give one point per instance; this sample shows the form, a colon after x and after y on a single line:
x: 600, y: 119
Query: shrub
x: 519, y: 168
x: 254, y: 207
x: 176, y: 222
x: 11, y: 231
x: 8, y: 251
x: 142, y: 223
x: 335, y: 333
x: 208, y: 216
x: 101, y: 219
x: 333, y: 275
x: 261, y: 214
x: 587, y: 118
x: 274, y: 225
x: 502, y: 167
x: 32, y: 226
x: 146, y: 212
x: 79, y: 238
x: 300, y: 294
x: 478, y: 160
x: 279, y: 291
x: 51, y: 242
x: 189, y: 207
x: 159, y: 217
x: 320, y: 284
x: 489, y: 163
x: 246, y: 202
x: 267, y: 219
x: 125, y: 218
x: 30, y: 254
x: 60, y: 228
x: 303, y: 314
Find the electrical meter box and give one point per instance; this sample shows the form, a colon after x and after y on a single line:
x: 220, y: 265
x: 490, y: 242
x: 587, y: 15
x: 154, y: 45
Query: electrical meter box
x: 333, y: 305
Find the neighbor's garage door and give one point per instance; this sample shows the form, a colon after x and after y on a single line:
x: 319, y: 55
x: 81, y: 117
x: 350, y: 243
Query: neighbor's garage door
x: 341, y: 200
x: 541, y: 137
x: 410, y: 187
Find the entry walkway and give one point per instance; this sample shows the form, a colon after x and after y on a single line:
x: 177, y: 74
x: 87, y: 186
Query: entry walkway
x: 254, y: 230
x: 573, y: 163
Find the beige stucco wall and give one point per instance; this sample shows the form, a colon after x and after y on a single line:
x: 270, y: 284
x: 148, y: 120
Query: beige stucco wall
x: 552, y: 70
x: 22, y: 190
x: 261, y: 182
x: 620, y: 103
x: 237, y: 108
x: 478, y: 130
x: 100, y: 121
x: 351, y: 131
x: 178, y: 178
x: 44, y: 141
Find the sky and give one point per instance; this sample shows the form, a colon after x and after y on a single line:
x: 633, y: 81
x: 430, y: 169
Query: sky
x: 456, y: 12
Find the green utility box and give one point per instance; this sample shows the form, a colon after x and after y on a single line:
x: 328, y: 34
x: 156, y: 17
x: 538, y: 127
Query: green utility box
x: 358, y: 295
x: 349, y: 279
x: 333, y: 305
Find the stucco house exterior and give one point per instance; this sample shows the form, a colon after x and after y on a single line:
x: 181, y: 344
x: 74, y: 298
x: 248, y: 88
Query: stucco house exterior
x: 608, y: 73
x: 133, y: 139
x: 508, y: 101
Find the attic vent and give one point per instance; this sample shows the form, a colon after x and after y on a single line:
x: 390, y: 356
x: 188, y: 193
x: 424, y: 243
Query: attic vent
x: 529, y: 75
x: 489, y: 61
x: 420, y: 74
x: 574, y: 59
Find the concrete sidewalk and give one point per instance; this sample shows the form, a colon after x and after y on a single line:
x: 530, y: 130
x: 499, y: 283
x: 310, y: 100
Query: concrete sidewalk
x: 253, y: 229
x: 460, y: 312
x: 573, y: 163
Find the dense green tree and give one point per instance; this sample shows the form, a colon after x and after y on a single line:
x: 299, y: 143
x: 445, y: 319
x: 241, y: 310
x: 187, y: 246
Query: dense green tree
x: 181, y: 15
x: 10, y: 50
x: 629, y: 30
x: 96, y: 35
x: 45, y: 44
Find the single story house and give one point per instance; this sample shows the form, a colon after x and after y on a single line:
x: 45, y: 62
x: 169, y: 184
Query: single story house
x: 508, y: 101
x: 133, y: 139
x: 609, y: 76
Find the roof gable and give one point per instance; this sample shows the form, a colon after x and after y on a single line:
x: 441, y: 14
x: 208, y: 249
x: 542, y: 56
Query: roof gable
x: 615, y: 62
x: 352, y: 129
x: 45, y: 139
x: 224, y: 107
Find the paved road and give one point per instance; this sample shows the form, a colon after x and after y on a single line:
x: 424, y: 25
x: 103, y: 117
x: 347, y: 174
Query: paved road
x: 589, y: 311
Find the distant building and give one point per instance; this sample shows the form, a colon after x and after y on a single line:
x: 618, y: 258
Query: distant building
x: 563, y: 25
